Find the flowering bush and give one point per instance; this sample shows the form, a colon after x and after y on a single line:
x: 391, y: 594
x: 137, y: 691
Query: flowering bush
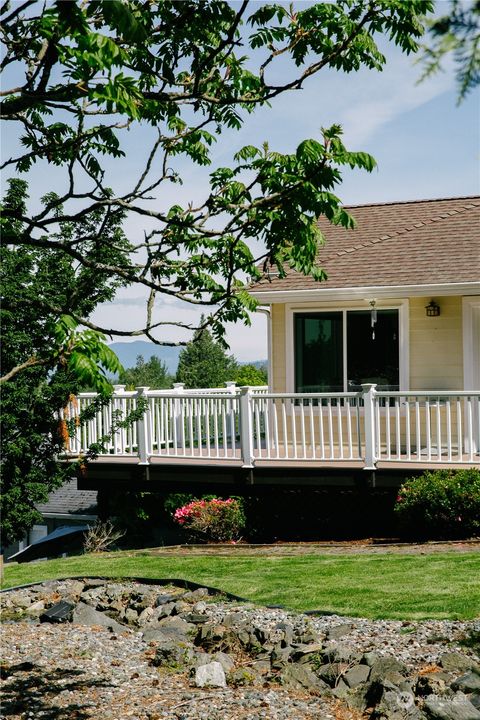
x: 440, y: 504
x: 214, y: 520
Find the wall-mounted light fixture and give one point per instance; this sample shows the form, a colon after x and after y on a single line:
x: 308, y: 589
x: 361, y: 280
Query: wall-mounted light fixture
x: 432, y: 309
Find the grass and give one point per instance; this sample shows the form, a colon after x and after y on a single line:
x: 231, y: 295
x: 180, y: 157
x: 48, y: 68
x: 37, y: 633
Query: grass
x: 407, y: 587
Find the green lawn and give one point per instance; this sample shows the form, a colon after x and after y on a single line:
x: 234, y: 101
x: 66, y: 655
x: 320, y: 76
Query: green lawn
x: 374, y: 586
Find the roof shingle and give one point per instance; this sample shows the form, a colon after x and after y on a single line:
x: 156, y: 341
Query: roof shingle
x: 407, y: 243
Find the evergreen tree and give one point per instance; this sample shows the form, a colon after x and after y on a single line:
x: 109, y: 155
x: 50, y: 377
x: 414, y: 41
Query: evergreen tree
x: 204, y: 363
x: 153, y: 374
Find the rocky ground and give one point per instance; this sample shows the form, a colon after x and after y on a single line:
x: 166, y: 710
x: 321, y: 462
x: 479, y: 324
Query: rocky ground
x: 79, y: 649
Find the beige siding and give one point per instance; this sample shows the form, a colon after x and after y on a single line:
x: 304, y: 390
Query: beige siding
x: 278, y: 348
x: 436, y: 345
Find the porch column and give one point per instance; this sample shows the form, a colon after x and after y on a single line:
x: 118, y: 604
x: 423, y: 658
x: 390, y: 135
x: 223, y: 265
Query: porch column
x: 143, y: 428
x: 368, y: 396
x: 178, y: 415
x: 246, y: 426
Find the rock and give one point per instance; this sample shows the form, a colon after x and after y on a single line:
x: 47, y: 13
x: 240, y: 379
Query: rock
x: 145, y: 616
x: 338, y: 631
x: 280, y: 657
x: 181, y: 607
x: 175, y: 655
x: 301, y: 676
x: 163, y: 611
x: 261, y: 667
x: 340, y: 690
x: 210, y: 675
x: 35, y: 607
x: 200, y: 607
x: 226, y: 661
x: 454, y: 708
x: 457, y: 662
x: 155, y: 635
x: 287, y: 633
x: 356, y: 675
x: 93, y: 583
x: 475, y: 700
x: 433, y: 683
x: 164, y: 599
x: 180, y: 625
x: 301, y: 653
x: 195, y: 618
x: 75, y: 588
x: 19, y: 600
x: 196, y: 594
x: 339, y: 652
x: 468, y: 683
x: 387, y: 668
x: 331, y: 672
x: 61, y: 612
x: 395, y: 704
x: 242, y: 677
x: 84, y: 614
x: 131, y: 616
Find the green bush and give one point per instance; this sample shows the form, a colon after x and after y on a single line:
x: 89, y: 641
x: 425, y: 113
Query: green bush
x: 444, y: 504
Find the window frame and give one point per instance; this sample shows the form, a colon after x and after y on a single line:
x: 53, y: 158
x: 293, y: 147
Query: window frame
x: 291, y: 309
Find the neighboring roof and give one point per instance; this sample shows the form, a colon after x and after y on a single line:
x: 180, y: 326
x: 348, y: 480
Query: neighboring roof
x: 68, y: 500
x: 424, y: 242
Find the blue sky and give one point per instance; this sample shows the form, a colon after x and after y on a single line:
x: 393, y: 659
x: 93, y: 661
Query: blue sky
x: 425, y: 145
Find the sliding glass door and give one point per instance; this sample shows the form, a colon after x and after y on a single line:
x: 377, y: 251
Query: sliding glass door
x: 338, y: 351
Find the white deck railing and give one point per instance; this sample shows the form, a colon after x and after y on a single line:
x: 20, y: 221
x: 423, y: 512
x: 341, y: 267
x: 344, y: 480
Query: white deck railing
x: 251, y: 424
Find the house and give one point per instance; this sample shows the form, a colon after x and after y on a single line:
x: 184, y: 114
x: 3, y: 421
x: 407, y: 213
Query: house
x: 376, y: 368
x: 400, y: 307
x: 68, y: 507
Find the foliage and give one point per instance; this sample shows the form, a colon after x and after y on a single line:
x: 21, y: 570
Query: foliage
x: 441, y: 504
x: 372, y: 585
x: 152, y: 373
x: 457, y: 33
x: 213, y: 520
x: 88, y: 75
x: 204, y: 363
x: 251, y: 375
x: 45, y: 358
x: 101, y: 536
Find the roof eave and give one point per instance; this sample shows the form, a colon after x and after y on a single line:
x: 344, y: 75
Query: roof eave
x: 354, y: 293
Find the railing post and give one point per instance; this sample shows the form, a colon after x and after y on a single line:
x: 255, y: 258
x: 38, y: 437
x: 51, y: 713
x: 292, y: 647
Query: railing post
x: 246, y: 426
x: 178, y: 414
x: 117, y: 405
x: 143, y: 429
x: 368, y: 396
x: 231, y: 386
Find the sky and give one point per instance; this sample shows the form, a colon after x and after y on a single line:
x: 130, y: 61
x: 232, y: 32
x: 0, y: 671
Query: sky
x: 425, y: 146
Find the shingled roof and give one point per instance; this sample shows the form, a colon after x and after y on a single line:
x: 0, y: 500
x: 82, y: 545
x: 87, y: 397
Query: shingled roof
x: 425, y: 242
x: 68, y: 500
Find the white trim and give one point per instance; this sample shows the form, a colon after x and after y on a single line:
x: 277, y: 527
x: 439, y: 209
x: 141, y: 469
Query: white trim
x: 268, y: 312
x: 320, y: 294
x: 471, y: 343
x: 403, y: 329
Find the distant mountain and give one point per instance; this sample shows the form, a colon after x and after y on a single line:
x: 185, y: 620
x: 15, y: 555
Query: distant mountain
x: 128, y: 352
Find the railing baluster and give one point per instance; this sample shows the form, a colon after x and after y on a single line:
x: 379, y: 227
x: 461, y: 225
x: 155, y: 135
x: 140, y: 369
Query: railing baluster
x: 302, y: 430
x: 408, y: 447
x: 284, y: 427
x: 312, y: 428
x: 330, y: 428
x: 320, y: 429
x: 427, y: 429
x: 275, y: 429
x: 449, y: 430
x: 469, y: 427
x: 439, y: 429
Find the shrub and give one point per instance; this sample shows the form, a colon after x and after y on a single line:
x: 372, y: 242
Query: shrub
x: 100, y: 536
x: 213, y: 520
x: 440, y: 504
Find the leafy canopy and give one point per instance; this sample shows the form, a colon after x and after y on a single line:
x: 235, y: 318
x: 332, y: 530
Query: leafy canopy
x: 84, y: 76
